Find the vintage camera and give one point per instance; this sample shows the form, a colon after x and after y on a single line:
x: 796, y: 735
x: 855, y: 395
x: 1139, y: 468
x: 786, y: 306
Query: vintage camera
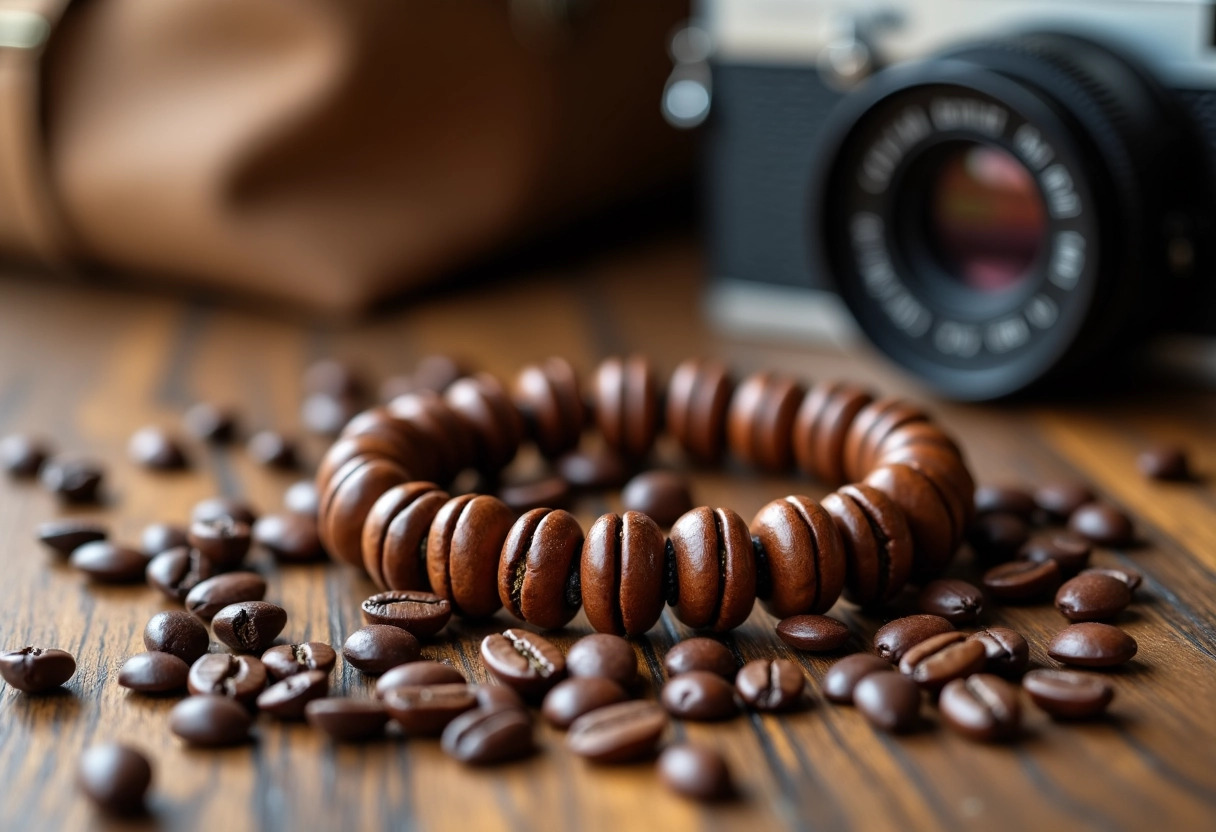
x: 1004, y: 193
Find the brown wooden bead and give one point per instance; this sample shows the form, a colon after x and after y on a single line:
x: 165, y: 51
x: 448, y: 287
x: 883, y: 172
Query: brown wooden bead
x: 946, y: 470
x: 403, y: 554
x: 443, y: 428
x: 622, y: 574
x: 698, y: 396
x: 384, y: 511
x: 871, y: 425
x: 820, y: 427
x: 760, y: 421
x: 537, y: 572
x: 349, y: 496
x: 925, y: 510
x: 483, y: 405
x: 412, y: 451
x: 917, y: 434
x: 626, y: 403
x: 547, y: 395
x: 715, y: 569
x: 877, y: 541
x: 804, y: 556
x: 462, y: 552
x: 344, y: 450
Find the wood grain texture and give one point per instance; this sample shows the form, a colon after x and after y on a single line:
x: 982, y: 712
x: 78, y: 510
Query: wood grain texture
x: 88, y: 366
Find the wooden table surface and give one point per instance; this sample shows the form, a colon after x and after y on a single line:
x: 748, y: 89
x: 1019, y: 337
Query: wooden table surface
x: 88, y: 366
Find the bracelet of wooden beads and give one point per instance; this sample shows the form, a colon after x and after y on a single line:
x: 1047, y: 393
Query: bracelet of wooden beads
x: 904, y: 497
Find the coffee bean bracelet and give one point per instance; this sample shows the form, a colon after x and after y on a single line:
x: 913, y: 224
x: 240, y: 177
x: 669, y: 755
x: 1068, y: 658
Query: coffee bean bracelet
x: 901, y: 516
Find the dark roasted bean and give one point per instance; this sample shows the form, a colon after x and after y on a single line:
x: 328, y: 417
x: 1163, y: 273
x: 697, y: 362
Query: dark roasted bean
x: 417, y: 674
x: 331, y: 377
x: 1059, y: 500
x: 1092, y: 597
x: 210, y: 721
x: 618, y: 733
x: 302, y: 498
x: 22, y: 455
x: 108, y: 563
x: 212, y: 595
x: 223, y: 541
x: 210, y: 422
x: 700, y: 654
x: 1091, y: 644
x: 571, y: 698
x: 888, y: 701
x: 161, y: 537
x: 1006, y: 652
x: 425, y: 710
x: 695, y: 771
x: 523, y: 661
x: 272, y: 449
x: 177, y: 571
x: 998, y: 536
x: 177, y: 632
x: 843, y: 676
x: 956, y: 601
x: 813, y: 633
x: 1022, y: 581
x: 115, y: 777
x: 982, y: 707
x: 481, y: 737
x: 154, y: 672
x: 420, y: 613
x: 67, y: 534
x: 895, y: 638
x: 621, y: 573
x: 699, y: 695
x: 1103, y: 524
x: 593, y: 470
x: 238, y: 677
x: 605, y: 656
x: 291, y: 538
x: 347, y: 720
x: 547, y: 492
x: 378, y: 647
x: 1129, y: 576
x: 938, y: 659
x: 1066, y: 694
x: 249, y: 626
x: 154, y: 448
x: 1164, y: 462
x: 770, y: 684
x: 1004, y: 499
x: 286, y: 660
x: 1069, y: 551
x: 37, y: 669
x: 662, y: 495
x: 218, y: 508
x: 287, y: 698
x: 494, y: 697
x: 72, y: 480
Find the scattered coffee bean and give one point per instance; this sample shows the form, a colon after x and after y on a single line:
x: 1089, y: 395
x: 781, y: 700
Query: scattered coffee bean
x: 331, y: 377
x: 22, y: 455
x: 700, y: 654
x: 1103, y: 524
x: 1004, y: 499
x: 997, y: 537
x: 1060, y: 499
x: 302, y: 498
x: 424, y: 711
x: 108, y: 563
x: 347, y: 720
x: 889, y: 701
x: 210, y: 721
x: 272, y: 449
x: 695, y: 771
x: 896, y: 637
x: 154, y: 672
x: 212, y: 595
x: 219, y: 508
x: 291, y: 538
x: 1129, y: 576
x: 843, y: 676
x: 1022, y: 581
x: 115, y: 777
x: 618, y: 733
x: 523, y: 661
x: 982, y: 707
x: 1092, y: 597
x: 813, y: 633
x: 66, y: 535
x: 1066, y: 694
x: 72, y: 480
x: 249, y: 626
x: 326, y: 415
x: 571, y: 698
x: 153, y: 448
x: 494, y: 697
x: 549, y: 492
x: 1091, y: 644
x: 593, y: 470
x: 37, y: 669
x: 1165, y: 462
x: 603, y: 655
x: 1006, y: 651
x: 663, y: 495
x: 177, y: 632
x: 420, y: 613
x: 956, y: 601
x: 285, y: 660
x: 699, y: 695
x: 938, y: 659
x: 770, y: 684
x: 1069, y: 551
x: 161, y: 537
x: 418, y: 674
x: 210, y: 422
x: 378, y: 647
x: 177, y: 571
x: 287, y: 698
x: 238, y: 677
x: 223, y: 541
x: 482, y: 737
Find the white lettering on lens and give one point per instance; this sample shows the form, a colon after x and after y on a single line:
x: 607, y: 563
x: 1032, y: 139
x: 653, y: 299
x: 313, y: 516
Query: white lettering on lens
x: 1006, y: 334
x: 885, y: 153
x: 969, y: 114
x: 1035, y: 152
x: 879, y: 278
x: 1042, y: 312
x: 1062, y: 199
x: 1067, y: 260
x: 954, y: 338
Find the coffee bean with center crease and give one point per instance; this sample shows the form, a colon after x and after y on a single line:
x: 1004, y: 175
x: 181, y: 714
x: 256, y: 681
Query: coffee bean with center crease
x: 161, y: 537
x: 291, y: 538
x: 223, y: 541
x: 998, y: 536
x: 1022, y: 581
x: 154, y: 672
x: 1065, y: 694
x: 210, y: 422
x: 420, y: 613
x: 843, y: 676
x: 1129, y: 576
x: 771, y: 684
x: 621, y: 573
x: 699, y: 695
x: 888, y: 701
x: 894, y: 638
x: 1006, y: 499
x: 938, y: 659
x: 154, y: 448
x: 1006, y: 651
x: 285, y: 660
x: 287, y: 698
x: 695, y: 771
x: 378, y: 647
x: 1069, y: 551
x: 523, y: 661
x: 418, y: 674
x: 108, y: 563
x: 494, y: 697
x: 217, y: 508
x: 1092, y: 597
x: 1058, y: 500
x: 177, y: 632
x: 67, y: 534
x: 177, y: 571
x: 956, y: 601
x: 1103, y: 524
x: 571, y: 698
x: 238, y: 677
x: 73, y: 480
x: 22, y: 455
x: 700, y: 654
x: 481, y: 737
x: 425, y: 710
x: 982, y: 707
x: 115, y: 777
x: 249, y: 626
x: 618, y: 733
x: 1091, y: 644
x: 210, y: 721
x: 603, y: 655
x: 37, y: 669
x: 347, y: 720
x: 813, y: 633
x: 212, y: 595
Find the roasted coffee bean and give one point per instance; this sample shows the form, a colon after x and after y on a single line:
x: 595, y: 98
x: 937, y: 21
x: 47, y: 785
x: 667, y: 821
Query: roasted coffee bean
x: 287, y: 698
x: 760, y: 420
x: 618, y: 733
x: 449, y: 436
x: 420, y: 613
x: 347, y: 720
x: 154, y: 448
x: 496, y: 697
x: 291, y: 538
x: 982, y: 707
x: 770, y: 684
x: 804, y: 555
x: 272, y: 449
x: 813, y: 633
x: 870, y: 427
x: 698, y: 398
x: 538, y: 567
x: 843, y: 676
x: 115, y: 777
x: 1091, y: 644
x: 700, y: 654
x: 1069, y: 551
x: 661, y: 495
x: 72, y: 480
x: 1129, y: 576
x: 714, y: 565
x: 621, y: 574
x: 210, y: 422
x: 486, y: 411
x: 424, y: 711
x: 37, y: 669
x: 161, y: 537
x: 219, y: 508
x: 1004, y: 499
x: 1164, y: 462
x: 210, y: 721
x: 223, y: 541
x: 177, y: 571
x: 571, y: 698
x: 593, y: 470
x: 1006, y: 651
x: 1092, y: 597
x: 547, y: 395
x: 301, y: 498
x: 938, y: 659
x: 888, y: 701
x: 997, y: 536
x: 66, y: 535
x: 23, y: 456
x: 956, y: 601
x: 699, y: 695
x: 378, y: 647
x: 625, y: 404
x: 331, y: 377
x: 548, y: 492
x: 895, y: 638
x: 1059, y: 500
x: 177, y: 632
x: 523, y: 661
x: 462, y: 553
x: 285, y: 660
x: 212, y: 595
x: 326, y: 415
x: 1066, y: 694
x: 238, y: 677
x: 108, y: 563
x: 877, y: 541
x: 395, y: 533
x: 418, y: 674
x: 1022, y: 581
x: 154, y: 672
x: 249, y: 626
x: 935, y: 529
x: 603, y: 656
x: 1103, y: 524
x: 481, y: 737
x: 695, y: 771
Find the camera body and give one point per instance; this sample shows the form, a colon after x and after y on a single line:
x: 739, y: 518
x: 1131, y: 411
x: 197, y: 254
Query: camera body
x: 1004, y: 193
